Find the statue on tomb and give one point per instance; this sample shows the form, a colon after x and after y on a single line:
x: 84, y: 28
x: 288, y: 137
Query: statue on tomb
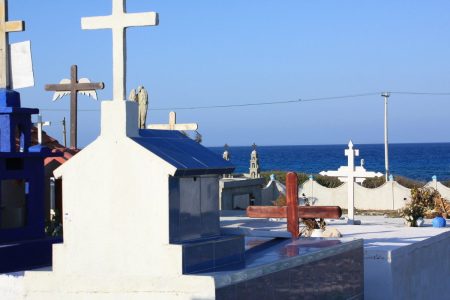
x: 143, y: 105
x: 132, y: 96
x: 140, y: 96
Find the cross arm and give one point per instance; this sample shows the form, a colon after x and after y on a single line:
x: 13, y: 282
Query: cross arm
x: 79, y: 87
x: 97, y: 22
x: 304, y: 212
x: 141, y: 19
x: 14, y: 26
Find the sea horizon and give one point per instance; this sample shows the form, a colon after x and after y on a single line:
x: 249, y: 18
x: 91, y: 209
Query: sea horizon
x: 419, y: 161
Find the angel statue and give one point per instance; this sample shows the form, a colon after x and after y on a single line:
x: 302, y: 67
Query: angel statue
x: 140, y: 96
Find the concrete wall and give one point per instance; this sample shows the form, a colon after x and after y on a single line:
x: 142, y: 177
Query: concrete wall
x: 418, y: 271
x: 389, y: 196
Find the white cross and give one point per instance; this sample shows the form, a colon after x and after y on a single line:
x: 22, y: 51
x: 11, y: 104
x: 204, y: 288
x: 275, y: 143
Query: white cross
x: 349, y: 174
x: 118, y: 22
x: 39, y: 124
x: 5, y: 28
x: 173, y: 124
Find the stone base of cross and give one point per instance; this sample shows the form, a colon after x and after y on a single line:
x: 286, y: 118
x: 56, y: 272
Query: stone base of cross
x: 350, y: 174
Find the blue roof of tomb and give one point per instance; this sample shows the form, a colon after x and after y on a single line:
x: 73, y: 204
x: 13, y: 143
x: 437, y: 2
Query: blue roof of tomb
x: 188, y: 156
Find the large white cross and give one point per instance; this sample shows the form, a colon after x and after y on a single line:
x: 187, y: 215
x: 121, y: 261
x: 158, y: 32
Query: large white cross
x: 349, y: 174
x: 173, y: 124
x: 118, y: 22
x: 5, y: 28
x: 39, y: 124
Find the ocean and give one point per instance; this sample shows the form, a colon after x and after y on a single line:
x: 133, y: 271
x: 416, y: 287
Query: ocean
x: 416, y: 161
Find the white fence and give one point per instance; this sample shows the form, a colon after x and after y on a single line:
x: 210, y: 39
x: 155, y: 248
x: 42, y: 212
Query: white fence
x: 389, y: 196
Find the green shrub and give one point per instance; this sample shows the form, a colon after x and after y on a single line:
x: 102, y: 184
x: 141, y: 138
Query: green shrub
x: 328, y: 181
x: 374, y: 182
x: 281, y: 176
x: 446, y: 183
x: 409, y: 183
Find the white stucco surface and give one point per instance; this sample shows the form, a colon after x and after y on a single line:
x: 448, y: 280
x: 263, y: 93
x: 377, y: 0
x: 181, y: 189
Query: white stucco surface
x: 116, y: 232
x: 400, y: 262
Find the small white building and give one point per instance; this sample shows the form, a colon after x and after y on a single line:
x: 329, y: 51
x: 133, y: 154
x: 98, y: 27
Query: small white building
x: 139, y: 210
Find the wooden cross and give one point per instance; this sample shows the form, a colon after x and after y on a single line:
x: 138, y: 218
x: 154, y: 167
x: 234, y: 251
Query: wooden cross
x: 293, y: 211
x: 118, y: 22
x: 349, y: 174
x: 173, y: 124
x: 73, y: 87
x: 5, y: 28
x: 39, y: 124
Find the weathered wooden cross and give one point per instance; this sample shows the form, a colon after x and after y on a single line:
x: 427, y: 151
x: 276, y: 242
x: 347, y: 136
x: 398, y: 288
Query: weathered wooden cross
x: 118, y: 22
x: 73, y: 87
x: 5, y: 28
x: 293, y: 212
x: 39, y: 124
x: 349, y: 174
x: 173, y: 124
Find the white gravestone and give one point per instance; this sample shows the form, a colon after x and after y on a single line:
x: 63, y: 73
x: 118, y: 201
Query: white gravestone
x: 21, y: 65
x: 350, y: 174
x: 173, y: 124
x: 40, y: 124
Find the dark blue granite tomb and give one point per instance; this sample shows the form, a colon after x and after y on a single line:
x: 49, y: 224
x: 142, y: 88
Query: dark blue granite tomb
x: 23, y: 242
x: 194, y: 201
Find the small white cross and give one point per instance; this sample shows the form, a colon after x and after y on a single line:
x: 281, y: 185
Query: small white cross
x: 349, y: 174
x: 118, y: 22
x: 173, y: 124
x: 5, y: 28
x: 39, y: 124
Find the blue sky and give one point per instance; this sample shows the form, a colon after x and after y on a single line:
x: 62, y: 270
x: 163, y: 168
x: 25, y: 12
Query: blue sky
x: 207, y: 53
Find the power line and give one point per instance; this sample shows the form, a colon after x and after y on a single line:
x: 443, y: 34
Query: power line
x: 342, y: 97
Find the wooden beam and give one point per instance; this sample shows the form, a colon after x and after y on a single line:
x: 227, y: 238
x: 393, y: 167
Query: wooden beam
x: 304, y: 212
x: 292, y: 204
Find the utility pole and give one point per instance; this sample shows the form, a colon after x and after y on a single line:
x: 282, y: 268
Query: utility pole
x: 64, y: 131
x: 386, y: 150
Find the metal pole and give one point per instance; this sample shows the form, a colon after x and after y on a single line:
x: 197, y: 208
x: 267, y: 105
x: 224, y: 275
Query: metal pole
x: 386, y: 147
x: 64, y: 131
x: 52, y: 198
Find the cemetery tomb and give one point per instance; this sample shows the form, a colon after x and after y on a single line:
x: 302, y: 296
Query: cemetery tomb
x: 22, y: 209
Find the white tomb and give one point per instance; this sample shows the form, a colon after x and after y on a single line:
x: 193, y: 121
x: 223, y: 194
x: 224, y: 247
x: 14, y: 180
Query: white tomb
x: 141, y: 208
x: 350, y: 174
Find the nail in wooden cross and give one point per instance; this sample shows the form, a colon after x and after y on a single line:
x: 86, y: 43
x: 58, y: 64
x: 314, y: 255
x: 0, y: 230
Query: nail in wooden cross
x: 118, y: 22
x: 5, y: 28
x: 173, y: 124
x: 73, y: 87
x: 293, y: 211
x: 39, y: 124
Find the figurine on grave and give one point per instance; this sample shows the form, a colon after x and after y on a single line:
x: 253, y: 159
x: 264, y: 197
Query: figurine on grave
x: 133, y: 96
x: 143, y: 105
x: 140, y: 96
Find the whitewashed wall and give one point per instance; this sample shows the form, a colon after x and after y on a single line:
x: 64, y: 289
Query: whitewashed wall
x: 389, y: 196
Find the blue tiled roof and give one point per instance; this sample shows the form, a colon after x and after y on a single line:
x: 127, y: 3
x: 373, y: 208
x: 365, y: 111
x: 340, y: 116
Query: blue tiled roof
x: 188, y: 156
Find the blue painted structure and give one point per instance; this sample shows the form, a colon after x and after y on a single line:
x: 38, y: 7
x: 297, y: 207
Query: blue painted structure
x: 24, y: 246
x: 194, y: 200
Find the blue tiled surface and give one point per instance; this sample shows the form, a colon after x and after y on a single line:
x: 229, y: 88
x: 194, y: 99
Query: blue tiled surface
x: 193, y: 208
x: 210, y: 254
x: 294, y: 269
x: 26, y: 255
x: 188, y: 156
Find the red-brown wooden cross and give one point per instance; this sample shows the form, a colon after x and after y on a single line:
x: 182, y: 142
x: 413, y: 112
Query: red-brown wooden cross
x: 293, y: 212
